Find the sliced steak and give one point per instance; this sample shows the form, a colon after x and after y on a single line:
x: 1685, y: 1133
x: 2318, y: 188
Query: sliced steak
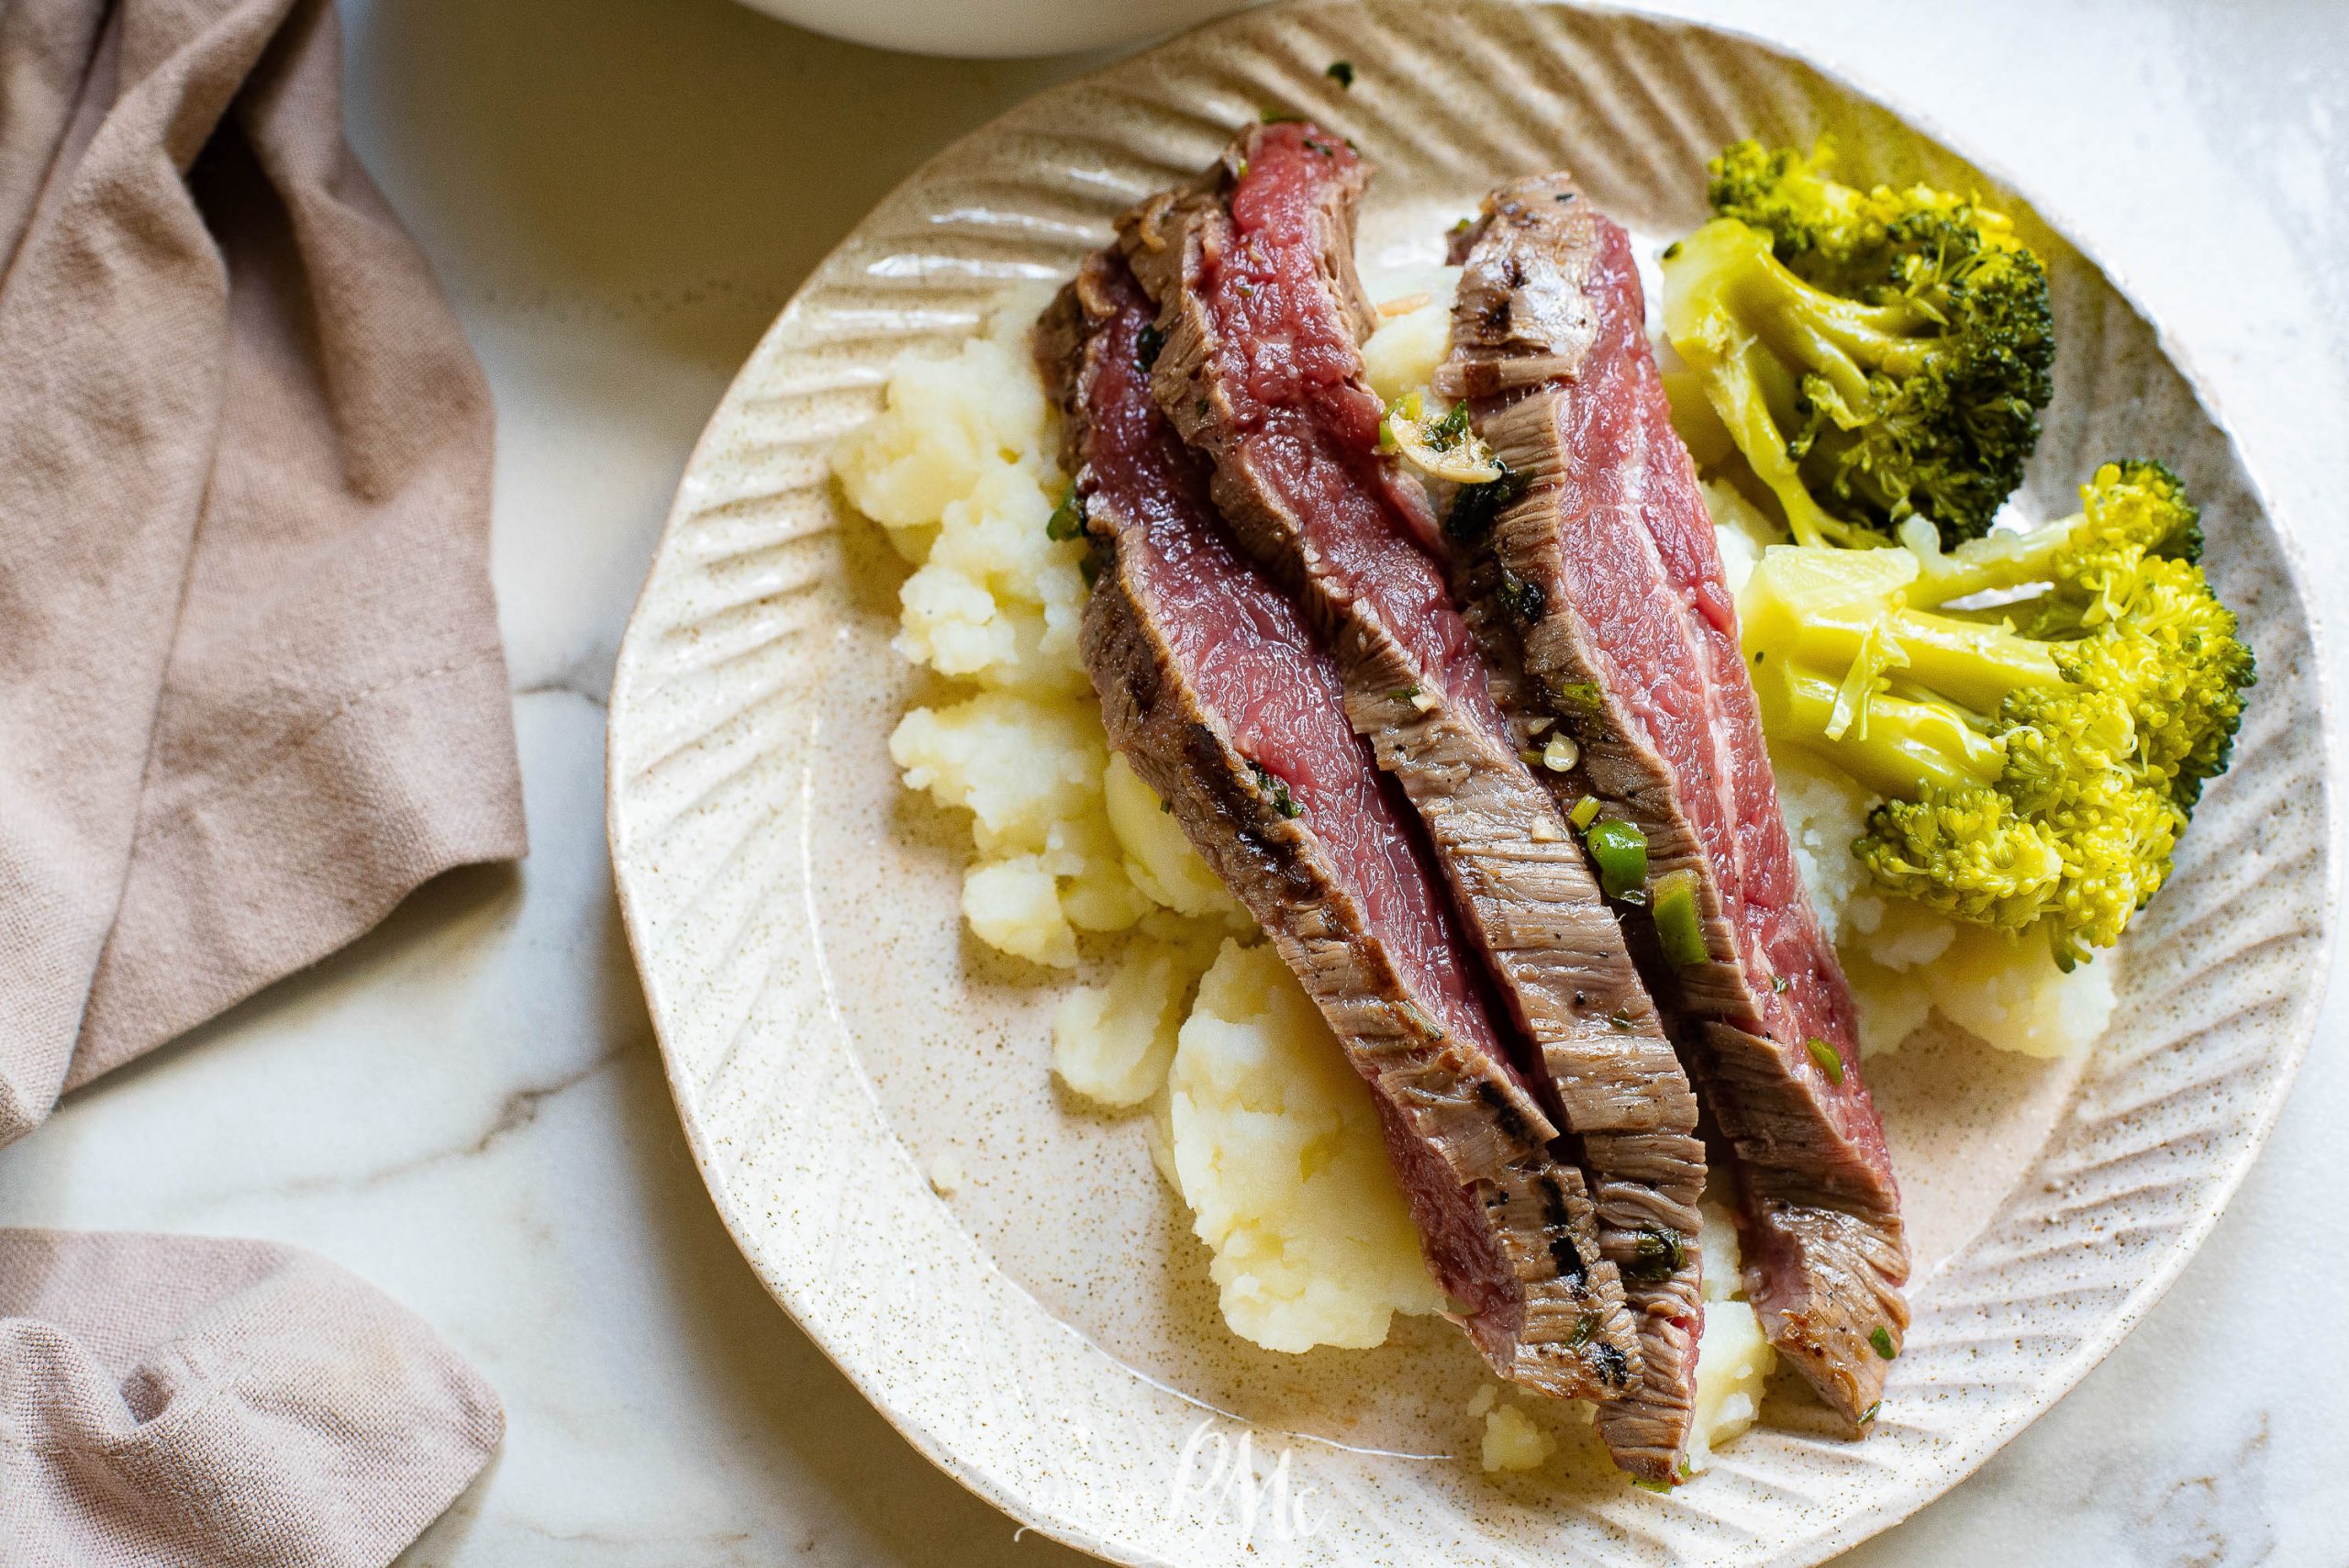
x: 1258, y: 365
x: 1215, y: 691
x: 1630, y: 637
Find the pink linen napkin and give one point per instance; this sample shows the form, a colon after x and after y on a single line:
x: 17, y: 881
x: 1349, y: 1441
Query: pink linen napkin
x: 252, y: 694
x: 179, y: 1400
x: 251, y: 691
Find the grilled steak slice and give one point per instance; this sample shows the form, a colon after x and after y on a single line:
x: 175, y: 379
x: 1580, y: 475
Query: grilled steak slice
x: 1258, y: 367
x: 1648, y: 1183
x: 1216, y: 693
x: 1630, y: 637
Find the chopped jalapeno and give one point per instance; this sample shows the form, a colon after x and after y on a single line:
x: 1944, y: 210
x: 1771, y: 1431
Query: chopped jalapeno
x: 1585, y: 813
x: 1676, y: 919
x: 1830, y: 1063
x: 1067, y: 521
x: 1578, y: 694
x: 1620, y: 852
x: 1880, y: 1337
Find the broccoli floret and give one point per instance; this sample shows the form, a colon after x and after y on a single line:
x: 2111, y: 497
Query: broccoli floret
x: 1875, y: 354
x: 2041, y: 755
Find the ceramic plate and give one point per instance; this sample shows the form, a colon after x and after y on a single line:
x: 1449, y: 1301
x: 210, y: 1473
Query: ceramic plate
x: 1047, y: 1333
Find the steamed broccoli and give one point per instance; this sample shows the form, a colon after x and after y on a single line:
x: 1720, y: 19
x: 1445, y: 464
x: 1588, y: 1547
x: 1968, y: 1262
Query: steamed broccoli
x: 1875, y: 354
x: 2041, y: 755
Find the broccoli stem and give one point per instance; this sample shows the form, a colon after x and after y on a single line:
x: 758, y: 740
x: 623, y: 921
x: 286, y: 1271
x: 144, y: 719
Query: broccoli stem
x: 1899, y: 745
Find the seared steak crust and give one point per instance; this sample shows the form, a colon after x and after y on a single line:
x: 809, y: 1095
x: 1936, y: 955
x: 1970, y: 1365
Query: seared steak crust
x: 1259, y: 313
x: 1628, y: 635
x: 1216, y: 695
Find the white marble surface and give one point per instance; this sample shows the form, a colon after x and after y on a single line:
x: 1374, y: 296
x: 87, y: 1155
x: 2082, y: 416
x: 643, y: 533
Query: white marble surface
x: 467, y: 1108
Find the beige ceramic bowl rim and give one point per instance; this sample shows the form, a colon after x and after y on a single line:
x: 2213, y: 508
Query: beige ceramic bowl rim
x: 1860, y: 1524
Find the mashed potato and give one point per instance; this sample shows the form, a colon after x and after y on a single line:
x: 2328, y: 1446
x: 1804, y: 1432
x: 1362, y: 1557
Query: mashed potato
x: 1159, y: 859
x: 1277, y: 1148
x: 1112, y: 1043
x: 1413, y: 336
x: 1513, y: 1441
x: 1028, y: 768
x: 957, y: 468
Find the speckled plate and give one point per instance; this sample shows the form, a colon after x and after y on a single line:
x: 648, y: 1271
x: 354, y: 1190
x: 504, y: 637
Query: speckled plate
x: 1046, y: 1333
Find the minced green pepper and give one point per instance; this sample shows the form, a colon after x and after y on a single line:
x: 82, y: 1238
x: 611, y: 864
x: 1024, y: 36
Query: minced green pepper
x: 1829, y: 1062
x: 1677, y: 925
x: 1620, y: 853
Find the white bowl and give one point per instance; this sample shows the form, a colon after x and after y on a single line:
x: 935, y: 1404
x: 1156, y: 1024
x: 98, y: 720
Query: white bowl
x: 1047, y: 1333
x: 995, y: 27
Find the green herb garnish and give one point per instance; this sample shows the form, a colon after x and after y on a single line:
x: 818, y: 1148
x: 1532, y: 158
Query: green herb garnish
x: 1658, y: 1255
x: 1274, y: 785
x: 1448, y: 431
x: 1830, y: 1063
x: 1341, y: 71
x: 1880, y: 1340
x: 1067, y: 521
x: 1475, y: 508
x: 1521, y: 598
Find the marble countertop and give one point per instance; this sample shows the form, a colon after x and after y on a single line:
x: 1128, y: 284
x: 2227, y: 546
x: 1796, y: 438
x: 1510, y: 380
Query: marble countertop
x: 467, y: 1106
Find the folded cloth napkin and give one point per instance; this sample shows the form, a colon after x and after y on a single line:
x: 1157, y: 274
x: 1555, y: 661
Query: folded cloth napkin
x: 174, y: 1400
x: 252, y: 694
x: 251, y: 691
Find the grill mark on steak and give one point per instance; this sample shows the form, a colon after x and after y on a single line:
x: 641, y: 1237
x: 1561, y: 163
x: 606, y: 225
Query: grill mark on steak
x: 1205, y: 674
x: 1610, y: 528
x: 1260, y: 314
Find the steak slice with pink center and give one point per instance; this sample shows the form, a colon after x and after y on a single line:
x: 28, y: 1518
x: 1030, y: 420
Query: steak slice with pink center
x: 1215, y: 691
x: 1258, y: 365
x: 1628, y: 636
